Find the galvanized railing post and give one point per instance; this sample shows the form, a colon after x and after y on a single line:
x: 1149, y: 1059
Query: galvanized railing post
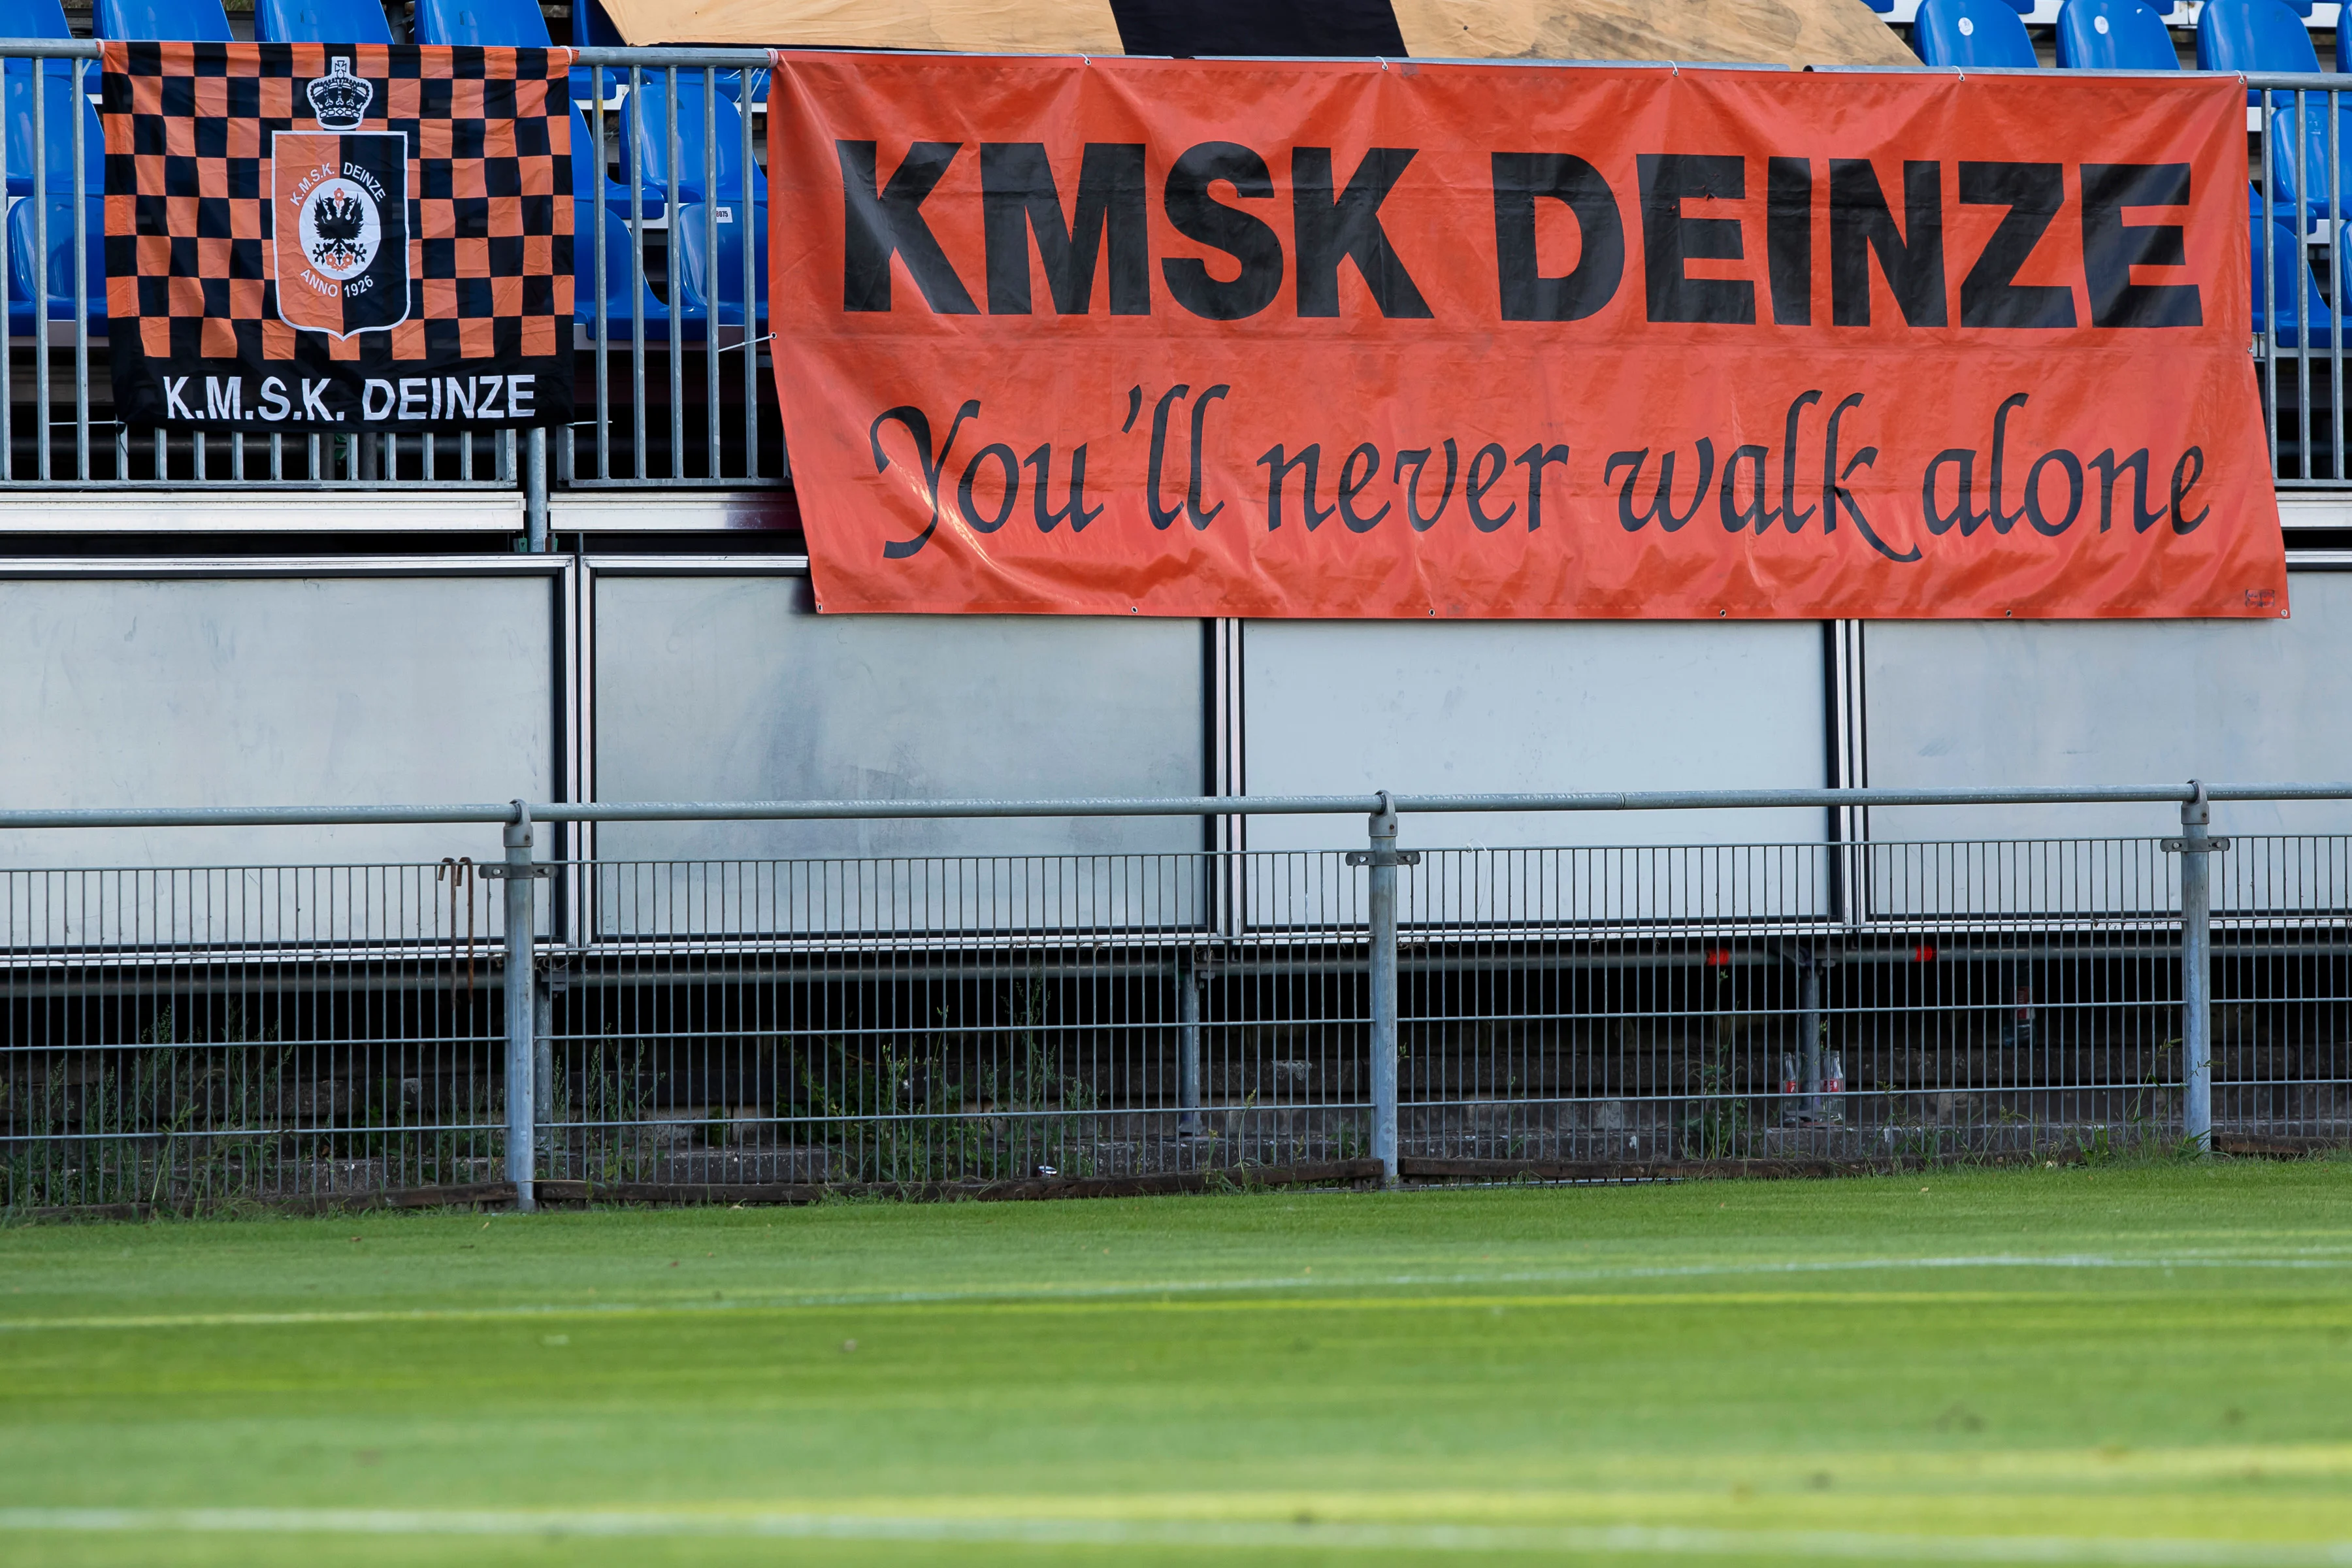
x: 2197, y: 969
x: 1381, y: 859
x: 1188, y: 1047
x: 534, y: 492
x: 522, y: 1009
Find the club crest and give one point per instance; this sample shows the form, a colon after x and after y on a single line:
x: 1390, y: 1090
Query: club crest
x: 340, y: 236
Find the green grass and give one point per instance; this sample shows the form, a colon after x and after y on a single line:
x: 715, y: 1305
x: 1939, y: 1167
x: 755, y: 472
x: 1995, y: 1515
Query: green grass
x: 2148, y: 1364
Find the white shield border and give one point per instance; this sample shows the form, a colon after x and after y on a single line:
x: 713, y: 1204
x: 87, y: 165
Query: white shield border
x: 277, y: 260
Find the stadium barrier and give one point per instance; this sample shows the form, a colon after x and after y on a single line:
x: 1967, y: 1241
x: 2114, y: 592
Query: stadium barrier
x: 1000, y: 1022
x: 670, y: 305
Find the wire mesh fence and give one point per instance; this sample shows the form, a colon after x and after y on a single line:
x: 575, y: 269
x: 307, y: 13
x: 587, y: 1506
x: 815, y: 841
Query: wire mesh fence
x: 188, y: 1037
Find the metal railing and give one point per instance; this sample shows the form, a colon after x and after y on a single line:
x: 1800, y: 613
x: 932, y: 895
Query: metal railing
x: 673, y: 386
x: 769, y: 1028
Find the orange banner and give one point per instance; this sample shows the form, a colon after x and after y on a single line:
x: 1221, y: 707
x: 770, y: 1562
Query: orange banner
x: 1321, y: 339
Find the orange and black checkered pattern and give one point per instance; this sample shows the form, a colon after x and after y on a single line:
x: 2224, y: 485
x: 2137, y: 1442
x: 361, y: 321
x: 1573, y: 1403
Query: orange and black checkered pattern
x: 188, y: 130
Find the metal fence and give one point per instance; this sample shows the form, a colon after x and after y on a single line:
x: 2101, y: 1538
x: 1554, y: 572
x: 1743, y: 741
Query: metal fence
x: 673, y: 385
x: 770, y: 1028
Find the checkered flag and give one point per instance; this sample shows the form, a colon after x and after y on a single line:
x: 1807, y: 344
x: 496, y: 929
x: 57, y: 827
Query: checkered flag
x: 341, y: 238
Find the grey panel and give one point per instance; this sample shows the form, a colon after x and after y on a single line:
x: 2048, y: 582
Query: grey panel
x: 1469, y: 706
x: 1971, y: 703
x: 223, y: 692
x: 734, y: 688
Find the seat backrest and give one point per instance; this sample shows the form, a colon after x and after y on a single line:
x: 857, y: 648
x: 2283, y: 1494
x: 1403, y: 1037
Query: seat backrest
x: 2301, y: 313
x: 496, y: 24
x: 1986, y: 34
x: 174, y: 21
x: 33, y: 19
x: 53, y: 274
x: 646, y: 124
x: 320, y: 22
x: 699, y: 277
x: 592, y: 28
x: 2253, y: 36
x: 2115, y: 36
x: 619, y: 268
x: 52, y: 148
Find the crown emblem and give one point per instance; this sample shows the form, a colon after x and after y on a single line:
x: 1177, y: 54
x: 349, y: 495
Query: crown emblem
x: 338, y: 99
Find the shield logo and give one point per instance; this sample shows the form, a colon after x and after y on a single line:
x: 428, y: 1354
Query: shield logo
x: 338, y: 234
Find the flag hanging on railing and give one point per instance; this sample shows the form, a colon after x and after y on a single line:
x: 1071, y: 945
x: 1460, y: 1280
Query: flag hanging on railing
x: 337, y: 238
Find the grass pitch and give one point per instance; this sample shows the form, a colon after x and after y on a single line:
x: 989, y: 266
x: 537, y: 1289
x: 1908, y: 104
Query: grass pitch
x: 2133, y: 1365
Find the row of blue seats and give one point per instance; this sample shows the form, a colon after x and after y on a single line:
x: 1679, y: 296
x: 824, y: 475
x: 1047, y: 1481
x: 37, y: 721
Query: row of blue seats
x: 2255, y: 36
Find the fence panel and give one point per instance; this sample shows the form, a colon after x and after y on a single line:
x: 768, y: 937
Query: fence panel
x: 334, y: 1032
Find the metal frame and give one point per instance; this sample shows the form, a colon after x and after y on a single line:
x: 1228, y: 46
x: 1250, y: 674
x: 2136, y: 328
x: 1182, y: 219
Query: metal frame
x: 524, y: 1029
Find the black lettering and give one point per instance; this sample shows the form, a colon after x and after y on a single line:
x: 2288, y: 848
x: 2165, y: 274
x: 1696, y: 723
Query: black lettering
x: 1836, y: 498
x: 2033, y: 512
x: 1789, y: 515
x: 1521, y: 179
x: 1535, y: 459
x: 2181, y: 489
x: 1476, y: 490
x: 1018, y: 198
x: 1789, y: 238
x: 2142, y: 519
x: 1736, y: 517
x: 1669, y: 241
x: 1278, y: 465
x: 2002, y: 521
x: 1661, y: 505
x: 1988, y: 295
x: 2111, y: 249
x: 1074, y: 510
x: 1352, y: 484
x: 877, y: 223
x: 1912, y: 260
x: 1327, y: 228
x: 1963, y: 512
x: 1192, y: 512
x: 1162, y: 516
x: 1418, y: 457
x: 919, y: 425
x: 1003, y: 455
x: 1250, y: 240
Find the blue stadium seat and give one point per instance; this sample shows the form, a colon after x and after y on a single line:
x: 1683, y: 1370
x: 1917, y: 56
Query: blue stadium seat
x: 178, y: 21
x: 587, y: 177
x: 588, y: 166
x: 592, y: 28
x: 53, y: 150
x: 2304, y: 313
x: 496, y: 24
x: 2113, y: 36
x: 2253, y: 36
x: 620, y: 301
x: 33, y: 19
x: 643, y: 126
x: 707, y: 285
x: 32, y: 274
x: 1982, y: 35
x: 320, y: 22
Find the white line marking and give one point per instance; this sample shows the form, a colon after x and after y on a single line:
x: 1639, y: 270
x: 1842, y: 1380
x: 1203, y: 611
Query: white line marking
x: 1853, y: 1545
